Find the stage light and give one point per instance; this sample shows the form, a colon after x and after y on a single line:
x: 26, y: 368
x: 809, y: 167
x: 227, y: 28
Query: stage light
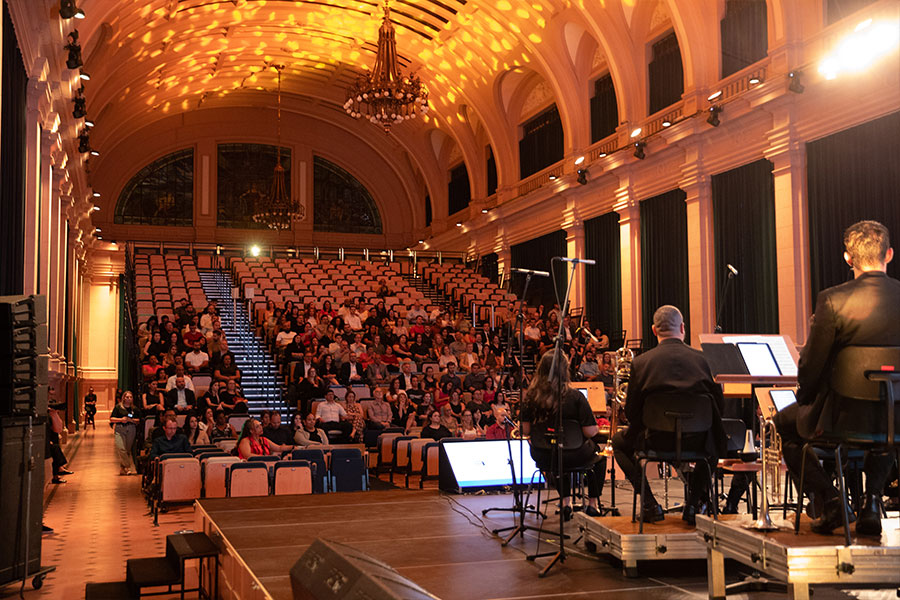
x: 755, y: 80
x: 636, y: 132
x: 484, y: 211
x: 96, y: 194
x: 713, y: 118
x: 88, y: 123
x: 579, y: 160
x: 96, y: 209
x: 73, y: 61
x: 459, y: 224
x: 639, y: 150
x: 84, y: 76
x: 582, y: 176
x: 254, y: 250
x: 68, y: 10
x: 80, y: 110
x: 667, y: 123
x: 795, y: 85
x: 714, y: 95
x: 857, y: 51
x: 84, y: 143
x: 551, y: 177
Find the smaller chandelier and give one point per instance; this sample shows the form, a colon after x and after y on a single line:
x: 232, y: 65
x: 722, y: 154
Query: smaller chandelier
x: 384, y: 97
x: 276, y: 210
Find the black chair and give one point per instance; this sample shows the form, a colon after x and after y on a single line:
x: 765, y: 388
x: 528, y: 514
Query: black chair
x: 571, y: 439
x: 348, y: 470
x: 868, y: 377
x: 677, y: 414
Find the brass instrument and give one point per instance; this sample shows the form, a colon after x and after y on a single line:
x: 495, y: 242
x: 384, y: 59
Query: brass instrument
x: 770, y: 454
x: 624, y: 358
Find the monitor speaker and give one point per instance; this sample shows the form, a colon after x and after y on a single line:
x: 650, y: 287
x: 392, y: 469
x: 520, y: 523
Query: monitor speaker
x: 332, y: 571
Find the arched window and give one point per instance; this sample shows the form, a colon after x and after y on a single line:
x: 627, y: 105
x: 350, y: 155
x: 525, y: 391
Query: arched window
x: 244, y: 175
x: 341, y: 204
x: 162, y: 193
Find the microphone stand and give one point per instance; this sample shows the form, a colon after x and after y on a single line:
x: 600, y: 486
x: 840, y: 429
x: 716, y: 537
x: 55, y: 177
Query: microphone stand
x: 719, y: 312
x: 518, y: 506
x: 560, y: 554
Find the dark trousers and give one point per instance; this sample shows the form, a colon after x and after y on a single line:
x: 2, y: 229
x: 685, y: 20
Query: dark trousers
x: 877, y: 466
x: 573, y: 460
x: 341, y: 431
x: 624, y: 451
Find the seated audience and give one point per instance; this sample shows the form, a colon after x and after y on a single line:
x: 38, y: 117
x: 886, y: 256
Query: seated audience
x: 233, y: 401
x: 180, y: 398
x: 179, y: 372
x: 222, y: 430
x: 227, y: 371
x: 433, y: 428
x: 403, y: 413
x: 468, y: 428
x: 197, y: 361
x: 333, y: 418
x: 378, y: 413
x: 355, y: 412
x: 193, y: 433
x: 306, y: 433
x: 276, y: 432
x: 252, y: 443
x: 172, y: 441
x: 352, y: 372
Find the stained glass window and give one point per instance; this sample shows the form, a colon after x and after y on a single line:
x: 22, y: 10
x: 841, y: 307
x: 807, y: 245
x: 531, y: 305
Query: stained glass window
x: 162, y: 193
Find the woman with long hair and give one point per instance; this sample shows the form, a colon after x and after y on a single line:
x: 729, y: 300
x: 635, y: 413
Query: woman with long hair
x: 539, y: 413
x: 125, y: 419
x: 468, y: 428
x: 192, y: 431
x: 252, y: 443
x: 449, y: 420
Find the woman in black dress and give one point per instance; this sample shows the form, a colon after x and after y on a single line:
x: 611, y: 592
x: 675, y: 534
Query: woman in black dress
x: 539, y: 413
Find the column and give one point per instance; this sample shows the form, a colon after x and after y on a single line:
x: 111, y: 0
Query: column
x: 701, y: 247
x: 788, y: 155
x: 630, y: 238
x: 52, y: 258
x: 33, y: 169
x: 44, y: 215
x: 575, y: 249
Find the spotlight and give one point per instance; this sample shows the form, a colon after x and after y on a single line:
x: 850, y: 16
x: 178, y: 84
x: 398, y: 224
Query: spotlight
x: 795, y: 85
x: 667, y: 123
x: 84, y: 76
x: 96, y: 194
x: 84, y: 143
x: 579, y: 160
x: 254, y: 250
x: 80, y: 109
x: 714, y: 95
x: 96, y: 209
x: 88, y: 123
x: 639, y: 150
x: 67, y: 10
x: 713, y: 118
x: 74, y: 59
x: 582, y: 176
x: 636, y: 132
x: 459, y: 224
x: 551, y: 177
x: 484, y: 211
x: 755, y: 80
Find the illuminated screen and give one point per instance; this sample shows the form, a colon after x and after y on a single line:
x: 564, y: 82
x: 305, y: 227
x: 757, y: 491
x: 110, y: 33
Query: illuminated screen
x: 486, y: 463
x: 759, y: 359
x: 782, y: 398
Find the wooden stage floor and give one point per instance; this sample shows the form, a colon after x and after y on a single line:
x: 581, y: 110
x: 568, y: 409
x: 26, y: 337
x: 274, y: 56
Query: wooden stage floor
x: 441, y: 542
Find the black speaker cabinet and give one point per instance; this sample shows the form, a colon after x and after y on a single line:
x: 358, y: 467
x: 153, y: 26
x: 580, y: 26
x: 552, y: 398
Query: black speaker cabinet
x: 332, y: 571
x: 14, y: 526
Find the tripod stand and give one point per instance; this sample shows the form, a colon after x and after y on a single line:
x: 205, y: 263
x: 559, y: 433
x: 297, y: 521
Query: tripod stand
x: 518, y: 506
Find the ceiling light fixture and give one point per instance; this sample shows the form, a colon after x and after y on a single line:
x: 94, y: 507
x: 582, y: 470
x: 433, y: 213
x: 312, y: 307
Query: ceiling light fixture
x: 551, y: 177
x: 484, y: 211
x: 96, y: 194
x: 636, y: 132
x: 713, y: 118
x: 73, y: 61
x: 755, y: 80
x: 96, y: 209
x: 84, y: 76
x: 421, y: 241
x: 714, y: 95
x: 579, y: 160
x: 459, y: 224
x: 277, y: 209
x: 384, y: 96
x: 88, y: 123
x: 601, y: 155
x: 666, y: 123
x: 639, y: 150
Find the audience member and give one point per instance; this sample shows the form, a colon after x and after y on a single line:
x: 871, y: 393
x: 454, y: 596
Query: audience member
x: 194, y: 434
x: 172, y: 441
x: 180, y: 398
x: 355, y: 413
x: 276, y: 432
x: 252, y: 443
x: 433, y: 428
x: 333, y: 418
x: 378, y: 413
x: 233, y: 401
x: 307, y: 434
x: 227, y: 370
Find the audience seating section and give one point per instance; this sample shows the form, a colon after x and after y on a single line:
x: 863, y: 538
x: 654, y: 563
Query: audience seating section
x: 160, y: 281
x: 248, y: 479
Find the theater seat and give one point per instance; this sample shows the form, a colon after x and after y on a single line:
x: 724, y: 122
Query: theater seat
x: 248, y: 479
x: 293, y: 477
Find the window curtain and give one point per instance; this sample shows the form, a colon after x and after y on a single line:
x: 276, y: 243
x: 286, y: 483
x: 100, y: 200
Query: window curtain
x: 458, y: 192
x: 852, y: 175
x: 665, y: 74
x: 603, y: 281
x: 744, y: 232
x: 604, y: 110
x: 542, y: 142
x: 744, y: 34
x: 664, y: 259
x: 488, y: 266
x: 536, y: 254
x: 491, y: 172
x: 12, y: 163
x: 428, y: 213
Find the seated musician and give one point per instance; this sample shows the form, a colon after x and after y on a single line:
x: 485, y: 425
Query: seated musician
x: 672, y: 366
x: 539, y: 413
x: 861, y: 312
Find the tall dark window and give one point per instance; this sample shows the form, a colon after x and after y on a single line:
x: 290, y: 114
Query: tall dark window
x: 429, y: 215
x: 604, y: 110
x: 852, y: 175
x: 665, y: 74
x: 542, y: 142
x: 744, y: 34
x: 537, y: 254
x: 491, y: 172
x: 341, y: 204
x: 835, y: 10
x: 744, y: 224
x: 604, y: 281
x: 162, y: 193
x: 488, y: 266
x: 459, y: 193
x: 664, y: 259
x: 245, y: 173
x: 12, y: 162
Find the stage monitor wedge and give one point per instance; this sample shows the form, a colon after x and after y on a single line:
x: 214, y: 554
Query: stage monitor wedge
x: 332, y: 571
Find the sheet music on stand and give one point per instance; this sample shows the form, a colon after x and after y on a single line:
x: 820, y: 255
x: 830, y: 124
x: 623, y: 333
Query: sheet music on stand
x: 750, y: 358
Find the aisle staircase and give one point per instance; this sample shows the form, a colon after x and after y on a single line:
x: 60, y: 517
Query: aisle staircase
x: 259, y: 375
x: 433, y: 294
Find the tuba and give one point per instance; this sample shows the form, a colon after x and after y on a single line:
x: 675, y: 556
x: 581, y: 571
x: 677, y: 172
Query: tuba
x: 624, y: 358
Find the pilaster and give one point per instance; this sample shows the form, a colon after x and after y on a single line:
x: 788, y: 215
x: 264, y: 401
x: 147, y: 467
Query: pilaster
x: 696, y: 184
x: 574, y: 228
x: 630, y: 238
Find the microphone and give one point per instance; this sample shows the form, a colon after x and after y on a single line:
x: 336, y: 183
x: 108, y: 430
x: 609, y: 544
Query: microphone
x: 731, y: 268
x: 530, y: 272
x: 587, y: 261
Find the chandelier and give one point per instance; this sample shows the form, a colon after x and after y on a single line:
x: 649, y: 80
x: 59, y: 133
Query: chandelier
x: 383, y: 96
x: 276, y: 210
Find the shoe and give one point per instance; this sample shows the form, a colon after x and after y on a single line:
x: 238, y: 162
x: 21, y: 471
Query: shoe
x: 591, y: 511
x: 66, y: 472
x: 869, y: 522
x: 689, y: 514
x: 57, y: 480
x: 730, y: 509
x: 566, y: 513
x: 123, y: 471
x: 831, y: 518
x: 653, y: 513
x: 816, y: 506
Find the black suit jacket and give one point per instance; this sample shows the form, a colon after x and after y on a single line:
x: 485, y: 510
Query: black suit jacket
x: 344, y: 377
x: 861, y: 312
x: 673, y: 366
x: 172, y: 398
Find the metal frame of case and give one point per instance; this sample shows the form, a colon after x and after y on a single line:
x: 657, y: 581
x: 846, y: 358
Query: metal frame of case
x: 800, y: 560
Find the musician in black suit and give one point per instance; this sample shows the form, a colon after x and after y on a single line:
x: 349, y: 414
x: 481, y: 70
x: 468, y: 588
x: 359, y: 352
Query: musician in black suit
x: 672, y: 366
x: 861, y: 312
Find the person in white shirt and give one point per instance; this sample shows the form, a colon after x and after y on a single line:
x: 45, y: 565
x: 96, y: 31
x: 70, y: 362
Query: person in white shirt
x: 179, y: 372
x: 415, y: 312
x: 285, y: 336
x: 198, y: 360
x: 333, y: 419
x: 353, y: 320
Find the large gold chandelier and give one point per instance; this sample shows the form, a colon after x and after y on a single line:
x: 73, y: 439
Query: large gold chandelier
x: 276, y: 210
x: 383, y: 96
